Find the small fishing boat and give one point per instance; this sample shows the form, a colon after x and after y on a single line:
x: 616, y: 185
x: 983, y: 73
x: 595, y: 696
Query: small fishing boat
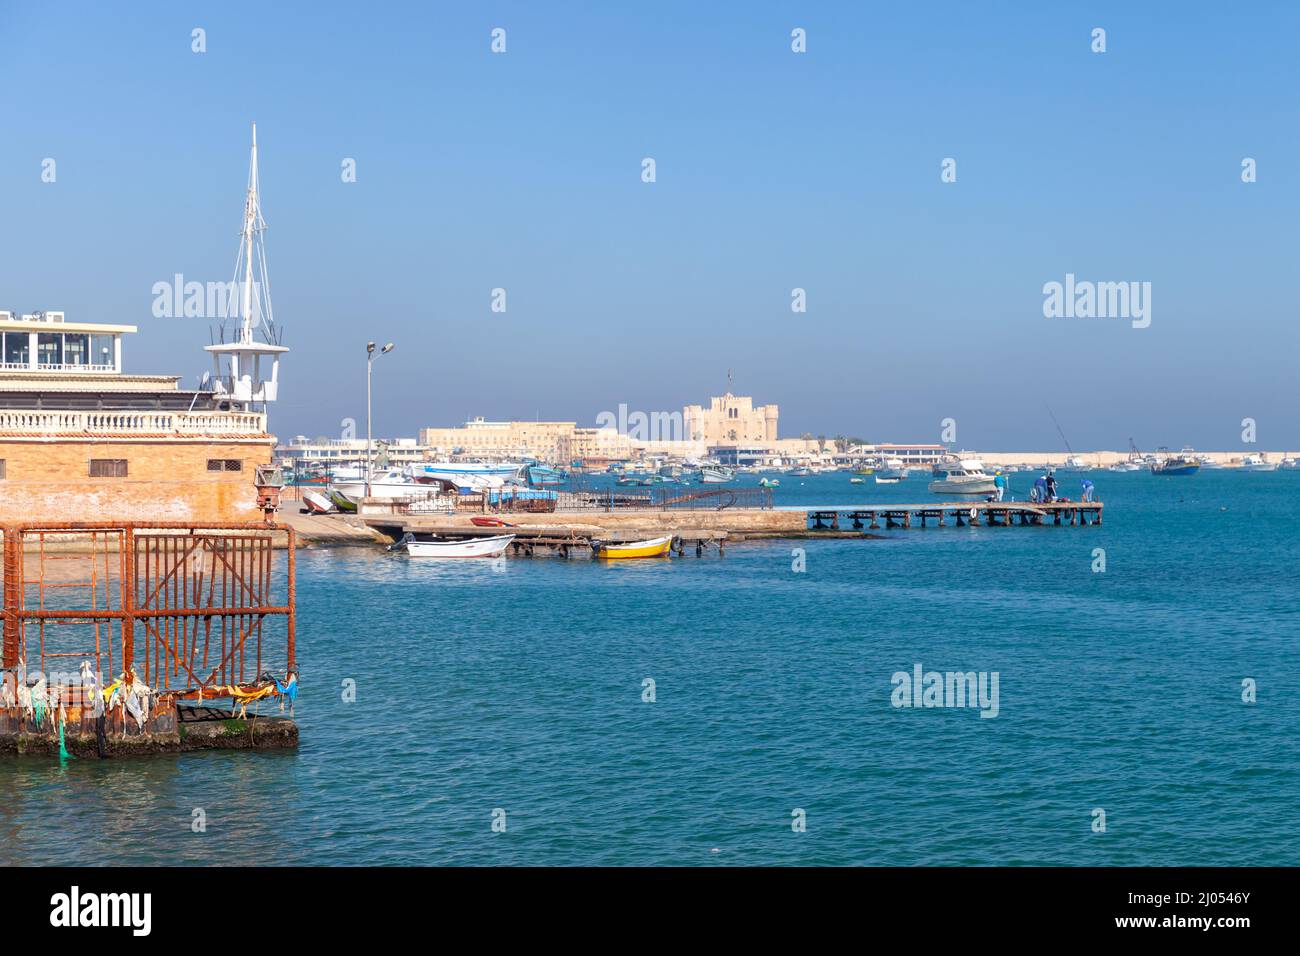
x: 855, y: 480
x: 714, y: 475
x: 488, y: 521
x: 892, y: 471
x: 317, y: 503
x: 800, y: 472
x: 651, y: 548
x: 1175, y: 465
x: 470, y: 548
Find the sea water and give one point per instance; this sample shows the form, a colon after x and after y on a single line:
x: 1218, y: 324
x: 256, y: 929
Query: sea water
x: 518, y: 694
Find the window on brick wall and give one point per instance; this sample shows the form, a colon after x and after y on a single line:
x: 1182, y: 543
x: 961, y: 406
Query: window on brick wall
x: 225, y: 464
x: 3, y: 474
x: 108, y: 468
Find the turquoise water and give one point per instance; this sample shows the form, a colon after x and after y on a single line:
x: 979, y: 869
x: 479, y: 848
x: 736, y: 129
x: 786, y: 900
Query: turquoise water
x: 521, y: 689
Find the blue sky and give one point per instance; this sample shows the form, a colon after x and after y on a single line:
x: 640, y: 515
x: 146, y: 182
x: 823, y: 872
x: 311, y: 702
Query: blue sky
x: 775, y: 170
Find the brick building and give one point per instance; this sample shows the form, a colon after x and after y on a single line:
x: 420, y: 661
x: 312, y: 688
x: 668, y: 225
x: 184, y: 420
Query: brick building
x: 80, y: 440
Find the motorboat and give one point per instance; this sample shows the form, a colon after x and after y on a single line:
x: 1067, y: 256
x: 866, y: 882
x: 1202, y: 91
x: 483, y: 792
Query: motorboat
x: 650, y: 548
x: 961, y: 476
x: 800, y: 472
x: 856, y: 480
x: 1125, y: 466
x: 1257, y: 463
x: 492, y: 547
x: 716, y: 474
x: 1075, y: 464
x: 472, y: 475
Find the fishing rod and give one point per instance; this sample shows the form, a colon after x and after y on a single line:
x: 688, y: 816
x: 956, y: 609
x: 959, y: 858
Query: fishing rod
x: 1058, y: 429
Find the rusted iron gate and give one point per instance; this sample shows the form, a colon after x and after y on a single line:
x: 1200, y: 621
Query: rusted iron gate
x: 187, y: 609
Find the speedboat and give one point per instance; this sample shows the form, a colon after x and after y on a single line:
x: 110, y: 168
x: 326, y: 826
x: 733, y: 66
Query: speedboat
x: 1125, y: 466
x: 856, y: 480
x: 492, y: 547
x: 1257, y: 463
x: 961, y: 476
x: 650, y: 548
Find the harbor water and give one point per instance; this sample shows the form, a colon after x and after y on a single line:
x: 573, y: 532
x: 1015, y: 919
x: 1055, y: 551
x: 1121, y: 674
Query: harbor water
x: 515, y: 692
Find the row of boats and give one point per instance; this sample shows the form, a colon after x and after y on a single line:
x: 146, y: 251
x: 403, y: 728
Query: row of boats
x: 495, y: 546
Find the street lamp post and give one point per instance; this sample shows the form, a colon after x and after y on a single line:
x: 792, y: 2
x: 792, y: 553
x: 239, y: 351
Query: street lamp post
x: 370, y: 361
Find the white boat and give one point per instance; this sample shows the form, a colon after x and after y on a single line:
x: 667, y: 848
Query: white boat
x: 492, y: 547
x: 390, y: 485
x: 1257, y: 463
x: 317, y: 503
x: 1125, y: 466
x: 472, y: 475
x: 855, y: 480
x: 1075, y: 464
x: 961, y: 476
x: 891, y: 471
x: 1290, y: 464
x: 716, y: 474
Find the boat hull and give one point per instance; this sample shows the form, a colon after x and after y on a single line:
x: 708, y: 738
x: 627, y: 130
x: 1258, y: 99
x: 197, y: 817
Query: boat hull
x: 958, y: 486
x: 1175, y: 471
x: 473, y: 548
x: 653, y: 548
x: 317, y: 503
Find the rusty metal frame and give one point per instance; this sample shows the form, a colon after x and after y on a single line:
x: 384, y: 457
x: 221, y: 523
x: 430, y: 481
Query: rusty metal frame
x: 160, y: 599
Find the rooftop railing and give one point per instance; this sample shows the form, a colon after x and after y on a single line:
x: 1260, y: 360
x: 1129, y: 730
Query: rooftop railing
x: 133, y: 422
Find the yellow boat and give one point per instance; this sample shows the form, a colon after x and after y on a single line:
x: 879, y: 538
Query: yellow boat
x: 653, y: 548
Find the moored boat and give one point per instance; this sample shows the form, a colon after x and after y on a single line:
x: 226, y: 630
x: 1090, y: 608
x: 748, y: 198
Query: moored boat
x: 492, y: 547
x: 961, y: 476
x: 1174, y: 466
x: 716, y: 474
x: 892, y: 471
x: 317, y: 503
x: 650, y: 548
x: 1257, y: 463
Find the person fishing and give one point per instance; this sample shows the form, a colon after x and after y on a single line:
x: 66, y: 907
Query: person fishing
x: 1051, y: 486
x: 1088, y: 490
x: 999, y: 485
x: 1040, y: 489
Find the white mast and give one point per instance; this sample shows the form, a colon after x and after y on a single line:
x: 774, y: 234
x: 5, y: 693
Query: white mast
x: 245, y: 382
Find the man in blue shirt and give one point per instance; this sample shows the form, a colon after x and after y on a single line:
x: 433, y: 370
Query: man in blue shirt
x: 1087, y: 490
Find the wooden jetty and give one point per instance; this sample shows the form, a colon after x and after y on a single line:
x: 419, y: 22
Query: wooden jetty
x: 960, y: 514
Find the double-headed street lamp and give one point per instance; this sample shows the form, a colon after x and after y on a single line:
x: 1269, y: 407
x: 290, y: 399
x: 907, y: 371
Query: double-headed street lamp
x: 370, y: 361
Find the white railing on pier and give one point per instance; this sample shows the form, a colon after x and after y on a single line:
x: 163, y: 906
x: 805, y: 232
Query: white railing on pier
x: 133, y: 422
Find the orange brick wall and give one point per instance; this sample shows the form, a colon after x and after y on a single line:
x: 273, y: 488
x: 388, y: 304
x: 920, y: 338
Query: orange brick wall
x: 166, y: 481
